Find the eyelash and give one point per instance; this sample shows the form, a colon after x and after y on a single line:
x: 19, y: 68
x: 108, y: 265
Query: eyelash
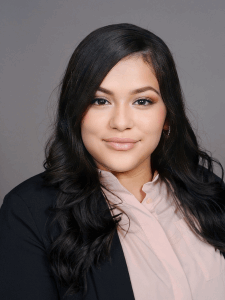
x: 150, y: 102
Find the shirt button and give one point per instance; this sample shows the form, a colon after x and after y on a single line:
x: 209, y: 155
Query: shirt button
x: 149, y: 200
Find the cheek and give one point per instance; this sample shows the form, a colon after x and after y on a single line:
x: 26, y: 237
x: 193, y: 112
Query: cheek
x: 162, y: 115
x: 88, y: 121
x: 155, y: 120
x: 85, y: 126
x: 90, y: 124
x: 85, y: 118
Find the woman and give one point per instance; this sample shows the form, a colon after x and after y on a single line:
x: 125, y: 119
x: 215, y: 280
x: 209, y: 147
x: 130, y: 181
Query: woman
x: 112, y: 218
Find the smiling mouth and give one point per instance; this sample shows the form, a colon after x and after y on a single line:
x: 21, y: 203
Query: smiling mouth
x: 121, y: 146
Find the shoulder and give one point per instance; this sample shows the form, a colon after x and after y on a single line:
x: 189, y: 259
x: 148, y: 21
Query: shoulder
x: 33, y: 192
x: 29, y: 203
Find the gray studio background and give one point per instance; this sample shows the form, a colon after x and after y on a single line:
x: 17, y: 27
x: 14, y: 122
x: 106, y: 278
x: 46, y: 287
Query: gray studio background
x: 38, y: 37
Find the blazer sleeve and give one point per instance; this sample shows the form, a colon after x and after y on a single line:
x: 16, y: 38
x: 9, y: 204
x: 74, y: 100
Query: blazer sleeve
x: 24, y: 268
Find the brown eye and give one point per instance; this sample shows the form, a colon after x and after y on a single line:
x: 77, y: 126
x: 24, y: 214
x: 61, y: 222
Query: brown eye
x: 145, y: 100
x: 98, y: 100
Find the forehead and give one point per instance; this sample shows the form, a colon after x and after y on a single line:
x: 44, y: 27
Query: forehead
x: 132, y: 71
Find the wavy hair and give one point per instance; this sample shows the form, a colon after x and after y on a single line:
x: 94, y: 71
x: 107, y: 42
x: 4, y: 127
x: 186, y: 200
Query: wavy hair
x: 186, y: 169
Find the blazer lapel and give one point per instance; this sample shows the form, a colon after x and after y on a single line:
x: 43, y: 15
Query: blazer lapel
x: 111, y: 280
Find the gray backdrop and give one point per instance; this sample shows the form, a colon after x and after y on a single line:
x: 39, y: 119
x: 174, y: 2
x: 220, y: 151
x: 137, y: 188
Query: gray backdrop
x: 38, y: 37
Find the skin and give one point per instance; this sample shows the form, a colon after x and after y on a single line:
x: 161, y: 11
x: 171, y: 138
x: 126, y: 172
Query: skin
x: 121, y: 115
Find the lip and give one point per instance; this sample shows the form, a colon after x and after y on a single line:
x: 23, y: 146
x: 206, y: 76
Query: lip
x: 121, y: 146
x: 120, y: 140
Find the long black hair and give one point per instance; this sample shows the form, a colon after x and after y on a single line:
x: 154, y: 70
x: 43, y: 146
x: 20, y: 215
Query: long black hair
x: 186, y: 169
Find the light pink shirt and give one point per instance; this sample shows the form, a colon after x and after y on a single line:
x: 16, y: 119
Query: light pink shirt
x: 165, y: 260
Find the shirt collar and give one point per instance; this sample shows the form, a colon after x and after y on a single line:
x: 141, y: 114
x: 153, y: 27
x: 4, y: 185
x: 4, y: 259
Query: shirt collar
x: 112, y: 183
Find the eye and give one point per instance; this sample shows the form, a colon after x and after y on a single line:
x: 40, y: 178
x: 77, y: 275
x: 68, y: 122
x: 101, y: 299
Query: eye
x: 145, y: 100
x: 98, y: 99
x: 101, y: 100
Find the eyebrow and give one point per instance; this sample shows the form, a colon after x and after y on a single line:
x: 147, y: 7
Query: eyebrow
x: 140, y: 90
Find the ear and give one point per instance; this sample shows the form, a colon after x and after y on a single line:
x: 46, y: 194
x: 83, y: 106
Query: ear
x: 166, y: 124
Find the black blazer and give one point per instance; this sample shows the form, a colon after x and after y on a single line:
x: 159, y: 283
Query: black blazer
x: 24, y: 268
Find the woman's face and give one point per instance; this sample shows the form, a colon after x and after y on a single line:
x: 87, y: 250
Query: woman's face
x: 118, y: 113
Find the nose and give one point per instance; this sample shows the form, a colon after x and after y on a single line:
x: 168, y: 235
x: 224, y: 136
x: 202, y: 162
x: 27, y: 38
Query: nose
x: 121, y: 118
